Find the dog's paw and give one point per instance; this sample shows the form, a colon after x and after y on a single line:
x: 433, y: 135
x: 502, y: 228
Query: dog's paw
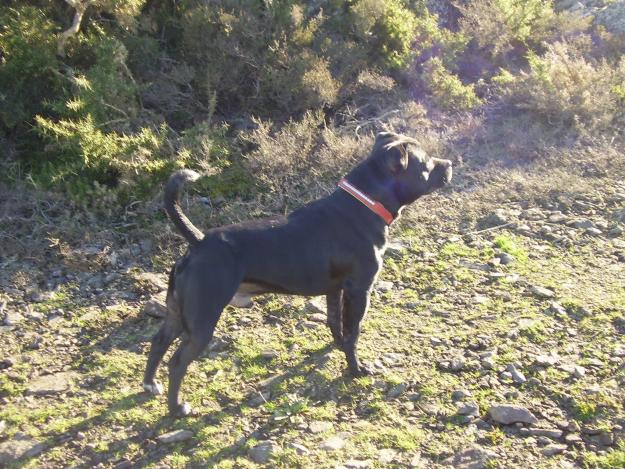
x: 361, y: 370
x: 155, y: 388
x: 182, y: 410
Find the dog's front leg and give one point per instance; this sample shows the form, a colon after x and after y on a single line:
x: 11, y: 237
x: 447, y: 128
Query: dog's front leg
x: 355, y: 305
x: 334, y: 302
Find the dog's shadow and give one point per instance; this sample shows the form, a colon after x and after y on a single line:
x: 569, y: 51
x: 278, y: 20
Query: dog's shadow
x: 322, y: 391
x: 317, y: 388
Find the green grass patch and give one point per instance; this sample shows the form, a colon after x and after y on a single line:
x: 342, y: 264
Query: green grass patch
x: 613, y: 460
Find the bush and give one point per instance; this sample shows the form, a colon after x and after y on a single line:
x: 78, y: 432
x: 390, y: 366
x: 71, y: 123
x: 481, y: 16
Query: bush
x: 565, y: 88
x: 301, y: 160
x: 391, y: 28
x: 447, y: 89
x: 29, y: 69
x: 499, y: 25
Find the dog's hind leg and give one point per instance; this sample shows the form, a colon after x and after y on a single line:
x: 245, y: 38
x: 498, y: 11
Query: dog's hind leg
x: 169, y: 331
x: 334, y: 302
x: 190, y: 348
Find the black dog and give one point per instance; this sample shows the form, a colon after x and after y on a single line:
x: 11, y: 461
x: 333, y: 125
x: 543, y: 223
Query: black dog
x: 331, y: 247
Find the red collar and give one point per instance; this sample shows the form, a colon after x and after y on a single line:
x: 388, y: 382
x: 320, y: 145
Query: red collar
x: 371, y: 204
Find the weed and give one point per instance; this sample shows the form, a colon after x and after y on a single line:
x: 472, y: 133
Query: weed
x: 612, y: 460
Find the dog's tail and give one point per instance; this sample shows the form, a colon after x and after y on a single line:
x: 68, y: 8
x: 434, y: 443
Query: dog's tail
x: 173, y: 191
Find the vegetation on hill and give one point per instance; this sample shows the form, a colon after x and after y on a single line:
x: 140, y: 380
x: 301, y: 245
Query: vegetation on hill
x: 114, y: 94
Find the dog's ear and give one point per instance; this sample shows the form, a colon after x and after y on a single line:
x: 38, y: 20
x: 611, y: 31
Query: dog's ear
x: 390, y: 149
x: 396, y: 156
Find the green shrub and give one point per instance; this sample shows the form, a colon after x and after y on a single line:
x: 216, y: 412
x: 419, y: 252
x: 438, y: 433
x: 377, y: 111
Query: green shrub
x: 393, y: 33
x: 29, y: 69
x: 565, y: 88
x: 500, y: 25
x: 447, y: 89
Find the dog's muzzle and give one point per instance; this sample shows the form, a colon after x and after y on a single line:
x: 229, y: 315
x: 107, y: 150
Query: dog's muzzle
x: 444, y: 170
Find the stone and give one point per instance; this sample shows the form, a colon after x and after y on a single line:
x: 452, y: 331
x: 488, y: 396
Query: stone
x: 397, y: 391
x: 542, y: 292
x: 573, y: 438
x: 488, y: 363
x: 259, y: 398
x: 333, y: 443
x: 557, y: 308
x: 506, y: 258
x: 12, y: 318
x: 40, y: 297
x: 155, y: 306
x: 554, y: 449
x: 471, y: 458
x: 417, y: 462
x: 387, y: 455
x: 579, y: 371
x: 269, y: 354
x: 262, y: 452
x: 516, y: 375
x: 479, y: 299
x: 299, y: 448
x: 395, y: 249
x: 593, y: 231
x: 316, y: 305
x: 616, y: 231
x: 545, y: 360
x: 507, y: 414
x: 357, y: 464
x: 496, y: 218
x: 318, y: 317
x: 460, y: 394
x: 606, y: 438
x: 552, y: 433
x: 175, y: 436
x: 619, y: 351
x: 152, y: 281
x: 573, y: 426
x: 123, y: 464
x: 557, y: 217
x: 384, y: 286
x: 51, y: 384
x: 457, y: 364
x: 19, y: 447
x: 582, y: 223
x: 470, y: 409
x: 318, y: 426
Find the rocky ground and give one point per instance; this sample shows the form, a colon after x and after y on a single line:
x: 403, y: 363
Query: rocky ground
x: 495, y: 331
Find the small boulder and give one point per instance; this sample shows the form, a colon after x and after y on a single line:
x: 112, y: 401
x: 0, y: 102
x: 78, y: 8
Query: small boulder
x: 333, y: 443
x: 262, y: 452
x: 471, y: 458
x: 51, y: 384
x: 18, y: 447
x: 507, y: 414
x: 542, y: 292
x: 175, y: 436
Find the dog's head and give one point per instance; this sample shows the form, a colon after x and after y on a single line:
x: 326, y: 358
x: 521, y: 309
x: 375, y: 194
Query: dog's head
x: 407, y: 168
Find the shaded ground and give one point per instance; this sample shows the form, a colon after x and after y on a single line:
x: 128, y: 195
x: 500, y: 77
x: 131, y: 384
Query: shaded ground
x: 452, y: 331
